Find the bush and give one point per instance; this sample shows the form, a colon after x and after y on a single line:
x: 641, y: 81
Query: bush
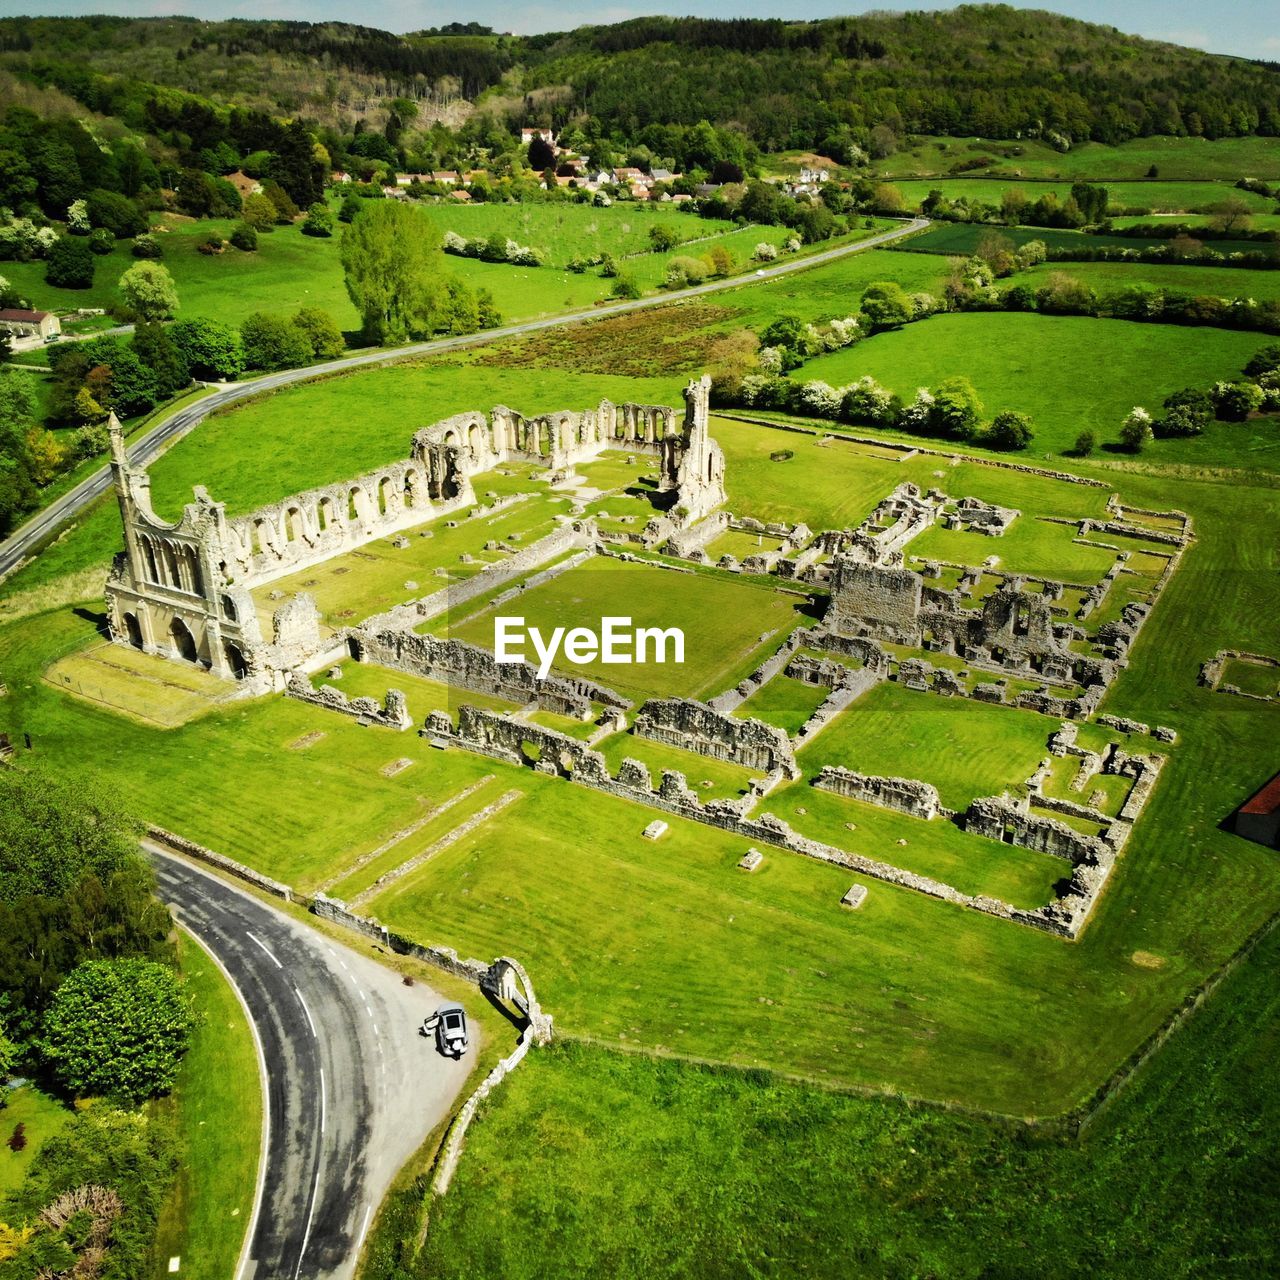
x: 322, y: 333
x: 663, y: 239
x: 115, y: 213
x: 117, y: 1029
x: 89, y: 441
x: 1086, y: 443
x: 1235, y: 401
x: 244, y: 238
x: 1010, y: 431
x: 71, y: 264
x: 272, y: 342
x: 1135, y: 431
x: 764, y: 252
x: 319, y: 220
x: 683, y: 272
x: 147, y: 246
x: 211, y: 244
x: 625, y: 286
x: 101, y: 241
x: 1264, y: 360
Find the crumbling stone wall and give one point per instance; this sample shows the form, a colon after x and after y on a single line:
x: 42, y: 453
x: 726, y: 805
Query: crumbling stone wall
x: 392, y: 713
x: 467, y: 666
x: 999, y: 818
x: 695, y: 726
x: 903, y: 795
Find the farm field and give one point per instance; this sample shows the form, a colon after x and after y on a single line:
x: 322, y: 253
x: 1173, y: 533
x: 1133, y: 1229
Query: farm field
x: 964, y: 238
x: 1223, y: 282
x: 1157, y: 196
x: 1069, y: 373
x: 1183, y: 159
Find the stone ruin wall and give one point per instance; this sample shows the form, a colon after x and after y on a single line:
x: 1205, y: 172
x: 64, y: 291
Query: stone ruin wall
x: 902, y: 795
x: 1001, y: 819
x: 504, y: 739
x: 695, y: 726
x: 466, y: 666
x: 392, y: 713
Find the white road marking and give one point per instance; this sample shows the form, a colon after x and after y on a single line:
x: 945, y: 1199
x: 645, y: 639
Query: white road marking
x: 322, y: 1106
x: 265, y: 948
x: 368, y: 1213
x: 307, y: 1011
x: 306, y: 1237
x: 375, y: 1029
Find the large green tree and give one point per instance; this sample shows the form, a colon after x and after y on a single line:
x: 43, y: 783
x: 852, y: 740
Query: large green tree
x: 117, y: 1029
x: 394, y: 272
x: 149, y: 291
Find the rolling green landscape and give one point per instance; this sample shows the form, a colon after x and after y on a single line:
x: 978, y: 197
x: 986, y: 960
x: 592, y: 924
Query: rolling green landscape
x: 884, y: 1046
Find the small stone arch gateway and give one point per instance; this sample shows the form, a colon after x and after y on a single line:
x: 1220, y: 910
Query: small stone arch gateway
x: 508, y: 981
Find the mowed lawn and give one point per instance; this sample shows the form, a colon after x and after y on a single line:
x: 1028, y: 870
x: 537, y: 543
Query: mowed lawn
x: 964, y: 748
x: 728, y: 625
x: 1069, y: 373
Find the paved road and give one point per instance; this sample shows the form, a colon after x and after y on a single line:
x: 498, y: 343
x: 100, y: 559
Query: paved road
x: 352, y: 1089
x: 25, y: 541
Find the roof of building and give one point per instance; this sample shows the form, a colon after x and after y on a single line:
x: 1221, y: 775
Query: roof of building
x: 22, y: 314
x: 1266, y: 801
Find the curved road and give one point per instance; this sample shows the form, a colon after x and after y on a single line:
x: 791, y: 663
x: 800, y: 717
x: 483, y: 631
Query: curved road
x: 25, y: 541
x: 352, y: 1089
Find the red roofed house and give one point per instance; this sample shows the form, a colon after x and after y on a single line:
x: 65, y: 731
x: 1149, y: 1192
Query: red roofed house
x: 1259, y: 817
x: 18, y: 322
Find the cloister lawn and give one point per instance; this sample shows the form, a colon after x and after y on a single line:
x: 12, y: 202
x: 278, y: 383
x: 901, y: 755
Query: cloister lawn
x: 723, y: 621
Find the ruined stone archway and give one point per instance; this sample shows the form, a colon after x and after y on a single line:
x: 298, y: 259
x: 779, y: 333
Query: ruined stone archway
x: 236, y: 660
x: 508, y: 982
x: 181, y: 642
x: 133, y: 629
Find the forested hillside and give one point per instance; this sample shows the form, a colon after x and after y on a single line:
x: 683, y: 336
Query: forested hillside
x: 988, y: 70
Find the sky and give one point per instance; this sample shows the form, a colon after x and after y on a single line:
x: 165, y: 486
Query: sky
x: 1244, y: 27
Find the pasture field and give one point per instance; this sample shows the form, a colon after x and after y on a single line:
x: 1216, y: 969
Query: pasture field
x: 1159, y: 197
x: 1257, y: 221
x: 1106, y: 277
x: 1069, y: 373
x: 42, y: 1117
x: 964, y: 238
x: 1181, y: 159
x: 762, y: 1177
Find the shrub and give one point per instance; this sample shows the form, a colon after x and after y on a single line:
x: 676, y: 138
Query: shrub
x: 683, y: 272
x: 273, y: 342
x: 211, y: 244
x: 89, y: 441
x: 1264, y: 360
x: 18, y: 1138
x: 719, y: 261
x: 101, y: 241
x: 71, y: 264
x: 764, y: 252
x: 1235, y: 401
x: 820, y: 399
x: 259, y: 212
x: 1086, y: 443
x: 1135, y: 430
x: 1009, y: 431
x: 322, y: 333
x: 663, y: 239
x: 245, y: 238
x: 625, y: 286
x: 117, y: 1028
x: 867, y: 401
x: 147, y: 246
x: 319, y: 220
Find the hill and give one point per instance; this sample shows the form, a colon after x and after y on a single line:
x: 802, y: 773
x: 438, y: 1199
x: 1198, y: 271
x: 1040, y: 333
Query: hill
x: 989, y: 70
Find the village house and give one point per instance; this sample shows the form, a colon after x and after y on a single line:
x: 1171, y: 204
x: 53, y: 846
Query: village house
x: 19, y: 322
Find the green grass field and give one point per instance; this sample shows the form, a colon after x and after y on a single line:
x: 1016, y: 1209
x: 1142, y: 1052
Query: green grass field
x: 1223, y: 282
x: 722, y: 620
x: 965, y: 237
x: 219, y: 1109
x: 1158, y: 196
x: 41, y: 1117
x: 762, y: 1178
x: 1068, y: 373
x: 1182, y: 159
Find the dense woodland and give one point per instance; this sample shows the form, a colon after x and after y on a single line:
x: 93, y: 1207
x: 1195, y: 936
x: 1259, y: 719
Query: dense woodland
x: 980, y: 69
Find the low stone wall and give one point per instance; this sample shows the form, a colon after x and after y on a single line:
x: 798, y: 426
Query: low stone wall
x: 219, y: 861
x: 696, y: 726
x: 392, y: 714
x: 903, y: 795
x: 486, y: 734
x: 997, y: 818
x: 467, y: 666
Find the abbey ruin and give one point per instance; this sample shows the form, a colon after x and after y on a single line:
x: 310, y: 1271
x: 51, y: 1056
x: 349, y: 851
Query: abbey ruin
x: 200, y: 590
